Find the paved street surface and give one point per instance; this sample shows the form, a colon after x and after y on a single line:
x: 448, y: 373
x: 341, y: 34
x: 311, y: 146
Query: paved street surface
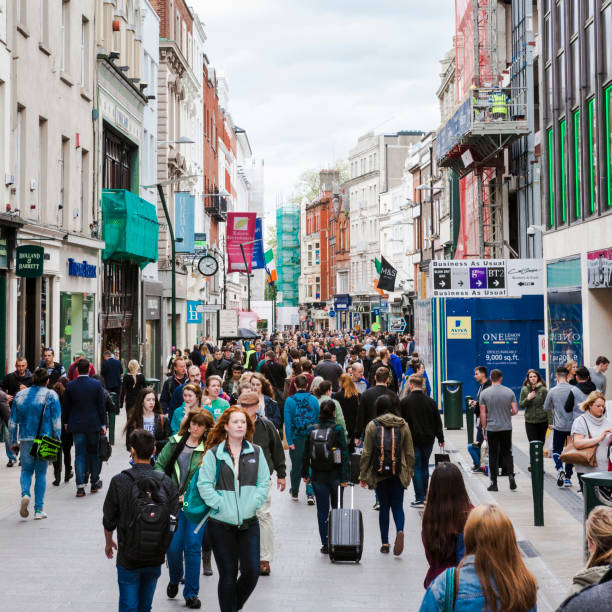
x: 72, y: 572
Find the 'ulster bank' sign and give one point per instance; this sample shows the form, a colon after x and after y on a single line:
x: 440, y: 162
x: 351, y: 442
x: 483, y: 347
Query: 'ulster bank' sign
x: 29, y: 261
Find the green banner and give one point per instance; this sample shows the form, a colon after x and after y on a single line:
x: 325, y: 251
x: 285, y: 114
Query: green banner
x: 29, y: 261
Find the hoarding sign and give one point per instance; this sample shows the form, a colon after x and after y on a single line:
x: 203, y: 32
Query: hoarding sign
x: 228, y: 324
x: 452, y: 131
x: 599, y: 265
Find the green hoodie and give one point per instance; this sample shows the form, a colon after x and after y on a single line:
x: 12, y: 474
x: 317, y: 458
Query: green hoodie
x: 534, y: 408
x: 234, y: 502
x: 194, y: 463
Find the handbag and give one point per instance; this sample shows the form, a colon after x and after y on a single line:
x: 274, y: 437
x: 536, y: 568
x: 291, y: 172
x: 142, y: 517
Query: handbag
x: 46, y: 448
x: 582, y: 456
x: 105, y: 450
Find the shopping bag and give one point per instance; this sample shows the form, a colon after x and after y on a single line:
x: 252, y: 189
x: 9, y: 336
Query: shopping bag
x: 548, y: 443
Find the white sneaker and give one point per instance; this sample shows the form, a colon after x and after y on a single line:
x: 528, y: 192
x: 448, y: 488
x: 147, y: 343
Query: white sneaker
x: 39, y: 514
x: 23, y: 510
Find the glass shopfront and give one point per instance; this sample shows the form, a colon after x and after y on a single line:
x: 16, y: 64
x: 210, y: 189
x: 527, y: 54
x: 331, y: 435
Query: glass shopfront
x: 77, y: 326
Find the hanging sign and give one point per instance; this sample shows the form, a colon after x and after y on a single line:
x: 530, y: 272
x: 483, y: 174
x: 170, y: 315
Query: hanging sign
x: 29, y: 261
x: 240, y: 233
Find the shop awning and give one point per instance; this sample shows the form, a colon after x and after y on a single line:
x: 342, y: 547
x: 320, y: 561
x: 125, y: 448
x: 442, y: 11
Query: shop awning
x: 129, y: 227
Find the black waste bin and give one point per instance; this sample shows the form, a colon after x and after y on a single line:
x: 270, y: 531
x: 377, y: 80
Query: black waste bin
x: 452, y: 403
x: 153, y: 383
x: 596, y: 491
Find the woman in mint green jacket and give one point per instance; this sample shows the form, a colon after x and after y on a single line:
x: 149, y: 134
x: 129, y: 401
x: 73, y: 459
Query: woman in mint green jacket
x: 180, y: 460
x: 234, y: 480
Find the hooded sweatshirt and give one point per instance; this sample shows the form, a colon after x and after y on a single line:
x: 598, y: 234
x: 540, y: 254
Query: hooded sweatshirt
x: 367, y: 472
x: 580, y: 391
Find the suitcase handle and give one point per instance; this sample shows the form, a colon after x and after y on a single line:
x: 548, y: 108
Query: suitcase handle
x: 351, y: 485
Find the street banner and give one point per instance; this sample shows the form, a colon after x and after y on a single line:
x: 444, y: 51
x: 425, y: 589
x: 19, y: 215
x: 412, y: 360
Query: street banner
x: 270, y: 266
x: 184, y: 214
x: 387, y: 274
x: 240, y: 233
x: 258, y: 250
x: 194, y: 315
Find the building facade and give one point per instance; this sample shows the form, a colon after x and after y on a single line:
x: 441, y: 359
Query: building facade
x: 575, y: 60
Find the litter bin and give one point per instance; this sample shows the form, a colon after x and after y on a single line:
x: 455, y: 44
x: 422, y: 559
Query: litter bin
x: 452, y: 403
x: 153, y: 382
x: 597, y: 491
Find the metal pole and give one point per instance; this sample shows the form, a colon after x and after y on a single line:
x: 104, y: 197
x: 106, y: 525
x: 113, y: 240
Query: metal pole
x: 431, y: 203
x: 536, y: 456
x: 224, y: 274
x: 160, y: 190
x: 248, y: 278
x: 481, y: 232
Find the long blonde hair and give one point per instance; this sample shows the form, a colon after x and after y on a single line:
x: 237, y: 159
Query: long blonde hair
x: 346, y: 382
x: 489, y: 536
x: 599, y: 531
x: 133, y: 368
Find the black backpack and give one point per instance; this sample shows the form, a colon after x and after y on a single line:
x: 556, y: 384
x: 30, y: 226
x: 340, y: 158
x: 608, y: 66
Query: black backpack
x: 322, y: 446
x: 387, y: 452
x: 151, y: 525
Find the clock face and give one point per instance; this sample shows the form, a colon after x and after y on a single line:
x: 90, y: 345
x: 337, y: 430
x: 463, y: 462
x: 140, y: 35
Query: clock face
x: 208, y: 265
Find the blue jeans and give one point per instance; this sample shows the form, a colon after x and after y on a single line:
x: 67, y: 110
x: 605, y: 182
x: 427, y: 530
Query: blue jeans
x: 137, y: 587
x: 185, y: 542
x: 86, y: 449
x: 421, y: 471
x: 230, y: 546
x: 29, y: 467
x: 296, y: 465
x: 323, y: 492
x: 10, y: 455
x: 559, y: 439
x: 474, y: 454
x: 391, y: 497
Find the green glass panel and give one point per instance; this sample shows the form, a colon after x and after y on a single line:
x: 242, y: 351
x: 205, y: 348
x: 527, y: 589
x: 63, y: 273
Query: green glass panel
x: 564, y: 273
x: 577, y: 161
x: 562, y: 158
x: 551, y: 178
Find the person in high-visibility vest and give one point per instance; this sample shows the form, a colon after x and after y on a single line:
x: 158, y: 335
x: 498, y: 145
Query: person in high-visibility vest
x: 499, y: 104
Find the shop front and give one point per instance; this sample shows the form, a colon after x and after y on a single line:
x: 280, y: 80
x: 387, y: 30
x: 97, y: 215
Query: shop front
x: 152, y: 292
x: 342, y: 303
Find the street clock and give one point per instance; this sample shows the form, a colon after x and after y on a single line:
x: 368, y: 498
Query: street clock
x: 208, y: 265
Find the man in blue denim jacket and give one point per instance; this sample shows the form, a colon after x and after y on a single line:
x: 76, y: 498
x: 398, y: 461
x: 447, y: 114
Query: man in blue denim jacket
x: 26, y: 410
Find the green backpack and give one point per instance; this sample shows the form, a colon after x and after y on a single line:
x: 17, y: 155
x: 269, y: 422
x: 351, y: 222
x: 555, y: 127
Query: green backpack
x: 195, y: 509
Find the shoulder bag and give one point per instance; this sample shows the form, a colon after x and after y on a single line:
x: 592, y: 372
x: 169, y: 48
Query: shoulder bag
x: 582, y: 456
x: 451, y: 589
x: 45, y: 448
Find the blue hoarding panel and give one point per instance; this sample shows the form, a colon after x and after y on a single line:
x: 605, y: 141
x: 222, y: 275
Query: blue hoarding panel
x: 456, y: 127
x: 184, y: 212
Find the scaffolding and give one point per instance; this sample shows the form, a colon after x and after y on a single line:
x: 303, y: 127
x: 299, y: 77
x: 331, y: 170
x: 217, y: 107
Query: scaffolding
x: 288, y: 253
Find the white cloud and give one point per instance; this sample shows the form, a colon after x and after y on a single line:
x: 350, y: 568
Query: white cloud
x: 307, y: 77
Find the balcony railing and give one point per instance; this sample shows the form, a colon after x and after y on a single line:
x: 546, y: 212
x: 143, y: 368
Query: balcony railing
x: 216, y: 207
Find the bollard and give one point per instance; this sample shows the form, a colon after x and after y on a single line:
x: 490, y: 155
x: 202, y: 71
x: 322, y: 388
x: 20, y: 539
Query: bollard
x: 469, y: 418
x: 536, y: 456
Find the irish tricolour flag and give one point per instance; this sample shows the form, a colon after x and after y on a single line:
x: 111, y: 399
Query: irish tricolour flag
x: 270, y: 266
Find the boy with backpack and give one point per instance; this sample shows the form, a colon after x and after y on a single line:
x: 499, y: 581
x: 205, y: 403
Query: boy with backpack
x: 142, y: 505
x: 387, y: 463
x: 325, y: 464
x: 301, y: 411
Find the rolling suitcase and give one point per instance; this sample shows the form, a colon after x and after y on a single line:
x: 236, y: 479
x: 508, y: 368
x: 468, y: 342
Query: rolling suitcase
x: 345, y: 532
x: 355, y: 466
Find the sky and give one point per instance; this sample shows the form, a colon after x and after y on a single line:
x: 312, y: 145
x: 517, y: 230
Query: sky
x: 308, y: 77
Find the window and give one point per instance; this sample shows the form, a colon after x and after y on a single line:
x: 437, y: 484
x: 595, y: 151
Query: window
x: 562, y: 168
x: 589, y: 57
x: 587, y: 9
x: 577, y: 163
x: 547, y: 40
x: 317, y: 253
x: 561, y: 81
x: 608, y: 115
x: 84, y: 53
x: 65, y: 35
x: 310, y: 254
x: 575, y: 72
x: 560, y: 24
x: 551, y: 178
x: 19, y: 152
x: 64, y: 174
x: 42, y: 166
x: 606, y: 44
x: 592, y: 154
x: 574, y: 16
x: 80, y: 220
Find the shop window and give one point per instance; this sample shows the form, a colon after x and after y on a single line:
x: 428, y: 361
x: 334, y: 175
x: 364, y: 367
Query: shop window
x: 77, y: 326
x: 606, y: 43
x: 592, y: 155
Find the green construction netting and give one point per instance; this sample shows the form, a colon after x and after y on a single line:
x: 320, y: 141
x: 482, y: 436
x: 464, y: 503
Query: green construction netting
x: 129, y: 227
x: 288, y: 253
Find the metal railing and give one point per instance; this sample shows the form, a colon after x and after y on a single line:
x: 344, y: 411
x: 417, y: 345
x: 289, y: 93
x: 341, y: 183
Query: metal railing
x: 494, y: 104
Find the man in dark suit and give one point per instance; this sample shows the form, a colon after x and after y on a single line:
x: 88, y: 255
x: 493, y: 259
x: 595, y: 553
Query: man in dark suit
x: 255, y: 357
x: 85, y: 418
x: 111, y: 372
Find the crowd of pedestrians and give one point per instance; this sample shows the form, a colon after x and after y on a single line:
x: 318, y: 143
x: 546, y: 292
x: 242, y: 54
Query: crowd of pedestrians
x: 350, y: 410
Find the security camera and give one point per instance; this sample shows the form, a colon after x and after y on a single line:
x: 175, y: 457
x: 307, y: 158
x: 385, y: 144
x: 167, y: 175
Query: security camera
x: 531, y: 230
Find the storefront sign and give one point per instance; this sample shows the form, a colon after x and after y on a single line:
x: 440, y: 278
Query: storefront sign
x: 210, y: 307
x: 29, y: 261
x: 599, y: 265
x: 239, y: 239
x: 193, y: 313
x: 500, y: 348
x: 76, y: 268
x: 342, y: 302
x: 397, y: 324
x: 228, y: 323
x: 152, y: 308
x: 487, y: 277
x: 459, y: 328
x: 3, y: 250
